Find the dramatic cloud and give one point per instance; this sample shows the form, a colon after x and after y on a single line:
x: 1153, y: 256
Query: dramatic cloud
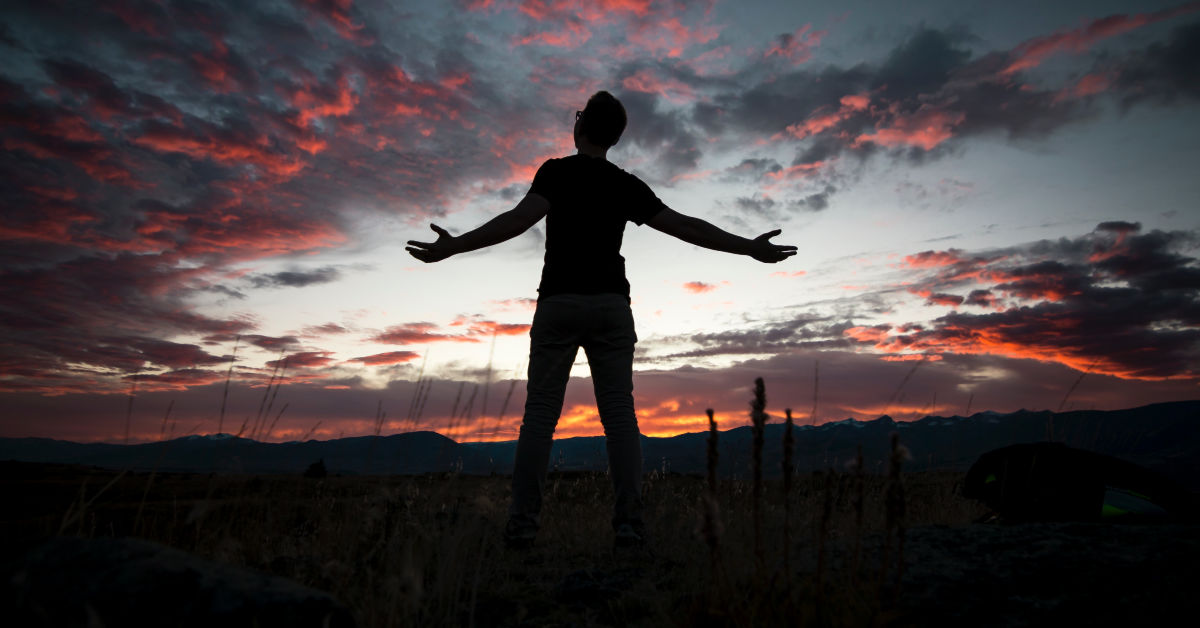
x: 699, y: 287
x: 167, y: 162
x: 1162, y: 72
x: 1116, y: 301
x: 1031, y: 53
x: 304, y: 359
x: 295, y: 278
x: 391, y: 357
x: 417, y: 333
x: 796, y: 47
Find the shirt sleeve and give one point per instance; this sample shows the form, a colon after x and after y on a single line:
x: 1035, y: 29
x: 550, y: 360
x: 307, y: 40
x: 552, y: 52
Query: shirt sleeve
x: 544, y: 181
x: 643, y: 203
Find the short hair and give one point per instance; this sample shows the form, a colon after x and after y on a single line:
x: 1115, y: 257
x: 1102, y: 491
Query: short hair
x: 603, y: 119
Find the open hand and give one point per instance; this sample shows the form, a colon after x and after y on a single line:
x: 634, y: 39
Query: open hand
x: 433, y: 251
x: 764, y: 251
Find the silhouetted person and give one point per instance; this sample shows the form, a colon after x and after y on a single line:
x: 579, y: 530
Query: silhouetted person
x: 583, y: 301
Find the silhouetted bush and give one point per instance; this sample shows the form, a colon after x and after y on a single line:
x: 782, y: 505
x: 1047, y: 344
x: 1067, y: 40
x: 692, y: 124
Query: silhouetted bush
x: 316, y: 470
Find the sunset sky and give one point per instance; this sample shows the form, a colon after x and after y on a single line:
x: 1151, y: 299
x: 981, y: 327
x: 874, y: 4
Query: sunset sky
x: 990, y: 200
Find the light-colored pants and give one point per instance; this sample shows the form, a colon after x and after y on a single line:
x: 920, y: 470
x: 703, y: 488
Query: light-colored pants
x: 603, y: 325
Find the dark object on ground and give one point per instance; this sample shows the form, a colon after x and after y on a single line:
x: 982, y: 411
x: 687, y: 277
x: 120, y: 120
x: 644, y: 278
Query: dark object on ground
x: 1047, y: 574
x: 627, y: 537
x: 132, y: 582
x: 519, y: 537
x: 316, y: 470
x: 1053, y: 482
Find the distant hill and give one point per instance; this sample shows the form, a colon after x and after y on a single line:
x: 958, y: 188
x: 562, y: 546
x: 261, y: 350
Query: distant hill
x: 411, y: 452
x: 1164, y: 437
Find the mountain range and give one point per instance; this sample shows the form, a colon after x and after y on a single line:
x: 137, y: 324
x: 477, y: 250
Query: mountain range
x: 1164, y: 437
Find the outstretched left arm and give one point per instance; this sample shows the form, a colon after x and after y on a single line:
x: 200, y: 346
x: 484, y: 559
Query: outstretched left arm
x: 506, y: 226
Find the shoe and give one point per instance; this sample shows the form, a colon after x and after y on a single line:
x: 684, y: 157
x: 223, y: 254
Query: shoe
x: 518, y: 536
x: 628, y: 537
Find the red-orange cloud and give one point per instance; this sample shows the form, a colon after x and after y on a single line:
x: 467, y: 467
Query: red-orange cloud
x: 417, y: 333
x: 795, y: 47
x: 927, y: 127
x: 391, y: 357
x: 1031, y: 53
x: 699, y: 287
x: 304, y: 359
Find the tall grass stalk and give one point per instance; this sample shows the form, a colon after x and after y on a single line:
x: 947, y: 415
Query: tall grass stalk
x: 859, y: 486
x: 457, y: 399
x: 129, y: 406
x: 894, y: 523
x: 789, y: 444
x: 225, y: 394
x: 77, y: 511
x: 504, y: 406
x: 758, y: 418
x: 487, y: 378
x: 711, y: 526
x: 1062, y: 404
x: 468, y: 410
x: 163, y: 428
x: 827, y: 499
x: 271, y: 404
x: 412, y: 403
x: 150, y: 478
x: 903, y: 383
x: 312, y: 430
x: 262, y: 403
x: 812, y: 417
x: 271, y: 429
x: 424, y: 398
x: 377, y: 429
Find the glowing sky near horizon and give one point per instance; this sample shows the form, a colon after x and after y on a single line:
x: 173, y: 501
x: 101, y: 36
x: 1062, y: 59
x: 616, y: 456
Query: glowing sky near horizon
x: 990, y: 201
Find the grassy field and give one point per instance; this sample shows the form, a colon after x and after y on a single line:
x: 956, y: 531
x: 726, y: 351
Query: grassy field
x: 427, y: 550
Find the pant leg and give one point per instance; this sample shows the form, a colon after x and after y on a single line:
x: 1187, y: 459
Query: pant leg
x: 609, y: 346
x: 553, y: 345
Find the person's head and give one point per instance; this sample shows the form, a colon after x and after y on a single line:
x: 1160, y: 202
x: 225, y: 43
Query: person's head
x: 601, y: 121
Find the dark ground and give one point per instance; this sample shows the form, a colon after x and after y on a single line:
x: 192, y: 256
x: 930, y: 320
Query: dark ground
x: 425, y: 550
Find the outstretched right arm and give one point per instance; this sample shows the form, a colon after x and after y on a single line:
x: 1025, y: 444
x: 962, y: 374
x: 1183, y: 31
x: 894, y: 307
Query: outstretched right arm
x: 701, y: 233
x: 508, y: 225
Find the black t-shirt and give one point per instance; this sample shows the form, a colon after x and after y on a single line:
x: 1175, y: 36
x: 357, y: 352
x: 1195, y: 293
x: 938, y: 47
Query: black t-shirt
x: 590, y: 201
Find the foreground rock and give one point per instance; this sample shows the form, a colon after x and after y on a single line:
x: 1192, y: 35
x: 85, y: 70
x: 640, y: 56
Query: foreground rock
x: 1045, y: 574
x: 132, y: 582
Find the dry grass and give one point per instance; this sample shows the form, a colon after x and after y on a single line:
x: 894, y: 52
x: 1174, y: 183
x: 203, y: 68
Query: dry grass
x: 427, y: 550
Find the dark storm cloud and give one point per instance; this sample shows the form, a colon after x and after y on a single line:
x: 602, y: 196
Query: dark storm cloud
x: 664, y: 134
x: 819, y: 201
x: 1115, y: 301
x: 1163, y: 72
x: 921, y: 65
x: 196, y: 396
x: 752, y: 169
x: 805, y: 331
x: 758, y: 205
x: 982, y: 298
x: 148, y: 146
x: 303, y: 360
x: 769, y: 106
x: 270, y: 343
x: 174, y: 354
x: 1119, y: 226
x: 932, y: 91
x: 103, y: 312
x: 913, y: 105
x: 295, y: 278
